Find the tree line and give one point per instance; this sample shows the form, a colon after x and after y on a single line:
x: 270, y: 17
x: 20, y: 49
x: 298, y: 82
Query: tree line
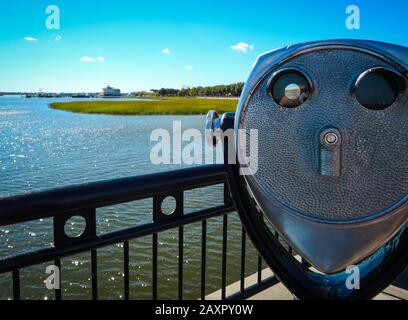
x: 231, y: 90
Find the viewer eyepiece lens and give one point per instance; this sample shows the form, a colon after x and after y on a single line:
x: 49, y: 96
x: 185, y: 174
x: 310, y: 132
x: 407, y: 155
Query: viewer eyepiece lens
x: 378, y: 88
x: 289, y: 88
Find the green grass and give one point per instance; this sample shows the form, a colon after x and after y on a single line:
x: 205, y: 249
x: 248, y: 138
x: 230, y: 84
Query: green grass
x: 156, y: 106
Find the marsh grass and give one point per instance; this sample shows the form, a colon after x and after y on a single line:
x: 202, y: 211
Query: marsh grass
x: 157, y: 106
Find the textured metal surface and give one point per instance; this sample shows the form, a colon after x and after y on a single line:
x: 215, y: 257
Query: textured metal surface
x: 374, y: 155
x: 376, y: 272
x: 360, y: 205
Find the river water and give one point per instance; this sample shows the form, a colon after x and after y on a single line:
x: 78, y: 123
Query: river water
x: 42, y: 148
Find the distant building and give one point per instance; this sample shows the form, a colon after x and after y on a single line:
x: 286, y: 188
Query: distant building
x: 111, y: 92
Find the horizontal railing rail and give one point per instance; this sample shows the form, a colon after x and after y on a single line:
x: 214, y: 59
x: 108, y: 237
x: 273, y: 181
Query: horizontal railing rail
x: 100, y: 194
x: 83, y: 200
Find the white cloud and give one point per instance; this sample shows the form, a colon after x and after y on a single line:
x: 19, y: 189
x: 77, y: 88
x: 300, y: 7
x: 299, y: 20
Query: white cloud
x: 57, y: 38
x: 189, y: 67
x: 166, y: 51
x: 30, y: 39
x: 242, y: 47
x: 89, y: 59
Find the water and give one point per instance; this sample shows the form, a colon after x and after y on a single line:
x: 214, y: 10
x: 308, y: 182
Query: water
x: 42, y: 148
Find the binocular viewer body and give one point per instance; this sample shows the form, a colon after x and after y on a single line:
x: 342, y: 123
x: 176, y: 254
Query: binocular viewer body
x: 331, y: 175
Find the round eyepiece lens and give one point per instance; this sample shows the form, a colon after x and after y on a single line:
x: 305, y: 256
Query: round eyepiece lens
x: 289, y: 89
x: 378, y: 89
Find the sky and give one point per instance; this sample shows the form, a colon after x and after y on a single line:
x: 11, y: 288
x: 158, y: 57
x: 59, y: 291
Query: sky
x: 140, y: 45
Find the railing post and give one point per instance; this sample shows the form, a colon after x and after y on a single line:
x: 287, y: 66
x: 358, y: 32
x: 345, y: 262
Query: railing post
x: 224, y: 257
x: 126, y: 269
x: 203, y: 258
x: 154, y: 267
x: 16, y: 285
x: 181, y: 263
x: 243, y: 256
x: 94, y: 266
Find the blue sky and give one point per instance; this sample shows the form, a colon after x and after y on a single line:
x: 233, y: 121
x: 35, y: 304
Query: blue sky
x: 121, y: 42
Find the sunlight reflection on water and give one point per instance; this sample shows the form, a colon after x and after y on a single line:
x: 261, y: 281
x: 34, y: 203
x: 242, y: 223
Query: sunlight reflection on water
x: 41, y: 148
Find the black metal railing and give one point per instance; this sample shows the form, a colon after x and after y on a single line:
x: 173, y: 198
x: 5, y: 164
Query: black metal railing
x: 65, y: 203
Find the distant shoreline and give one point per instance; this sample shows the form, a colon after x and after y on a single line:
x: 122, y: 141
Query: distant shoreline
x: 155, y: 106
